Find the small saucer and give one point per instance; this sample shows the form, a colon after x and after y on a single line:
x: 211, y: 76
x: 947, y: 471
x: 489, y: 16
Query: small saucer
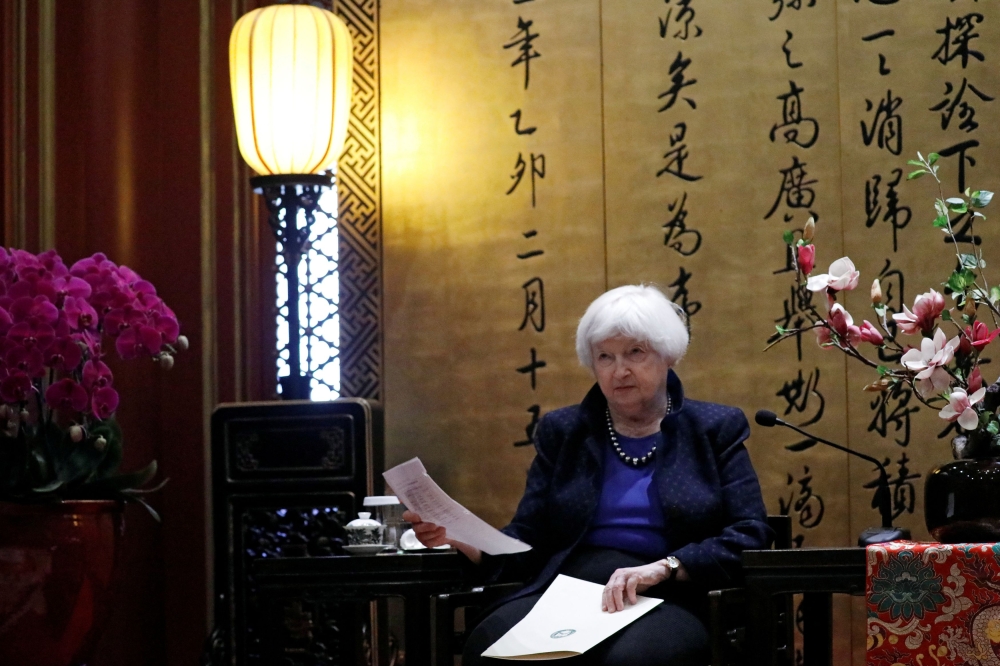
x: 365, y: 549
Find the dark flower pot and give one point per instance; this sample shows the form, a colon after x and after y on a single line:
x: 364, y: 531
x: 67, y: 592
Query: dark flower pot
x: 962, y: 501
x: 56, y: 567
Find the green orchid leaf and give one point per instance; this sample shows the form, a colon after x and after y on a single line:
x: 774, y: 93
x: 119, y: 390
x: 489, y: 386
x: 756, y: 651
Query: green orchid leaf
x: 883, y: 371
x: 932, y: 158
x: 946, y: 315
x: 941, y: 222
x: 941, y: 208
x: 994, y: 295
x: 993, y: 428
x: 789, y: 238
x: 914, y: 162
x: 913, y: 175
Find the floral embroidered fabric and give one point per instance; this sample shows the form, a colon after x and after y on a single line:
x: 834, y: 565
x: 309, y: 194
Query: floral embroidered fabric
x: 931, y: 603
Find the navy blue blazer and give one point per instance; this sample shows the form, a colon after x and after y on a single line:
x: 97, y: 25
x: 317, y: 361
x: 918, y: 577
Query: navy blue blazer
x: 708, y: 490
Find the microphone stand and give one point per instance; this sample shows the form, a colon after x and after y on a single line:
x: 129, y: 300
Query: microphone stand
x: 872, y: 535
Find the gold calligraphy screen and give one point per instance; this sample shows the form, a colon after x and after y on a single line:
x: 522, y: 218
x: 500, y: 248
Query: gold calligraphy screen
x: 538, y: 152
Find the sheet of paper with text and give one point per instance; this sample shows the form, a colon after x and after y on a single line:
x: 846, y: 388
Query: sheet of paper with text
x: 565, y: 622
x: 417, y: 490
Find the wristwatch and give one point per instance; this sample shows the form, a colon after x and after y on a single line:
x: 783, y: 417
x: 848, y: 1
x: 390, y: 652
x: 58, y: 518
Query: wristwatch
x: 674, y: 565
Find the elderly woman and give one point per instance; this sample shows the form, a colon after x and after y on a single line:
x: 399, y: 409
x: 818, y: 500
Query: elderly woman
x: 636, y: 488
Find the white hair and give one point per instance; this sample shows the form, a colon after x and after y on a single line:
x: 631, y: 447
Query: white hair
x: 637, y: 311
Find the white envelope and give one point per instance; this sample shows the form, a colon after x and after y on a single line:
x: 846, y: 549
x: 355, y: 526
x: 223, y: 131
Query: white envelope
x: 565, y: 622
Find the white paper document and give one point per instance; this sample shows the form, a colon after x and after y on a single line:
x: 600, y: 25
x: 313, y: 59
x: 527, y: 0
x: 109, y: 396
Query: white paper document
x: 417, y: 490
x: 565, y: 622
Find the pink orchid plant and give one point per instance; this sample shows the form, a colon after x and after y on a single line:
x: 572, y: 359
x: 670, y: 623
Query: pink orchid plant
x: 58, y: 436
x: 941, y: 360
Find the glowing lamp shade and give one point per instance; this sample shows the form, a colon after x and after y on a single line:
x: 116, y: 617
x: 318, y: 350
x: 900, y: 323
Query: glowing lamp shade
x: 290, y: 72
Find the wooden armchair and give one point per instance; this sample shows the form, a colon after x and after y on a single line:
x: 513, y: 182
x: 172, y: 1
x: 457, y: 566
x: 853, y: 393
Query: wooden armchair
x: 726, y: 613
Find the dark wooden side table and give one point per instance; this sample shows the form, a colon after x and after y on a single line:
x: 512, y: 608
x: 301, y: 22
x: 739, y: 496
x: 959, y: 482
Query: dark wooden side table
x: 817, y: 574
x: 290, y: 594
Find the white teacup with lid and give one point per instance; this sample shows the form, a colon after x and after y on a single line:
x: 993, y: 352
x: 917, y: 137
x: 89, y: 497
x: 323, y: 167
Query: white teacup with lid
x: 363, y: 531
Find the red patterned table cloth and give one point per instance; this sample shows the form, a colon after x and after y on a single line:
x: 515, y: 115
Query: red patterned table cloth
x: 932, y: 604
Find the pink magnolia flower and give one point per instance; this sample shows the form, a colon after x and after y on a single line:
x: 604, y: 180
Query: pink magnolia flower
x: 929, y: 362
x: 960, y: 408
x: 823, y: 338
x: 842, y: 322
x: 15, y: 388
x: 104, y: 402
x: 871, y: 334
x: 67, y: 395
x: 980, y: 336
x: 843, y: 276
x: 807, y: 258
x: 926, y: 309
x: 975, y: 380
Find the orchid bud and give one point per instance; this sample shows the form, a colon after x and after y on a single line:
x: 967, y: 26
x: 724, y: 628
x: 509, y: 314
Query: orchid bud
x: 809, y: 231
x: 182, y: 342
x: 100, y: 443
x: 166, y: 361
x: 876, y: 292
x: 76, y: 433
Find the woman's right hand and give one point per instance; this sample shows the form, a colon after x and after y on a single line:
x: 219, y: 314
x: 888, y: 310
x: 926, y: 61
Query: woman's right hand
x: 431, y: 535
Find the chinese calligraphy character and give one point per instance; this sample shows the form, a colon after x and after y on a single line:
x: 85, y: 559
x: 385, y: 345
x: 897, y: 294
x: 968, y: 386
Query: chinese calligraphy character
x: 534, y: 304
x: 966, y: 112
x: 795, y: 128
x: 537, y: 170
x: 794, y: 309
x: 808, y: 505
x: 961, y: 149
x: 887, y: 124
x: 677, y: 156
x: 795, y: 189
x: 893, y: 296
x: 683, y: 17
x: 901, y: 487
x: 680, y: 294
x: 882, y: 69
x: 523, y: 39
x: 517, y: 124
x: 797, y: 392
x: 898, y: 216
x: 531, y: 253
x: 898, y: 416
x: 788, y: 52
x: 533, y: 367
x: 677, y: 229
x: 957, y: 36
x: 678, y: 82
x: 529, y: 431
x: 789, y: 4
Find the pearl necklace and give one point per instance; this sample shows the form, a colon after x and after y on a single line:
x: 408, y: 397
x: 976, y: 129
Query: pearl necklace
x: 627, y: 459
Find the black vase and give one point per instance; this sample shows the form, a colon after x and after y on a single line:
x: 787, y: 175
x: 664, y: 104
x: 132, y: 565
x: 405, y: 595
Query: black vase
x: 962, y: 501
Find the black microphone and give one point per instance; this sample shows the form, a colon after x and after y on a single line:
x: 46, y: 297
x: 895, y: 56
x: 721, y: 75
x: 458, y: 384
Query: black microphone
x: 871, y: 535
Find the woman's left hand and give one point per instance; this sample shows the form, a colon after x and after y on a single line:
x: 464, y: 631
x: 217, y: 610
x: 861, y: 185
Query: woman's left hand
x: 625, y: 583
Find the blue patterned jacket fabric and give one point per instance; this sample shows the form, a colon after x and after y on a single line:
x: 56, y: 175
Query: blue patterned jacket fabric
x: 707, y: 486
